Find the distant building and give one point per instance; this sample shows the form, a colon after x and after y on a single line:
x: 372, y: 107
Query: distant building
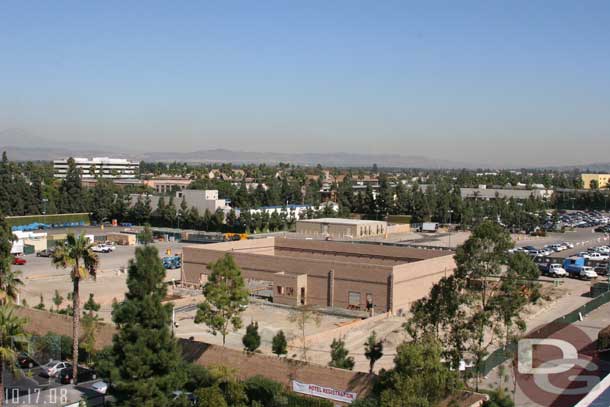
x: 486, y: 194
x: 202, y: 200
x: 163, y: 185
x: 602, y: 180
x: 293, y: 211
x: 98, y: 167
x: 342, y: 228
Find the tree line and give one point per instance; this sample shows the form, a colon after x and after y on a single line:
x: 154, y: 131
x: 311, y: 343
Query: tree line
x: 30, y: 189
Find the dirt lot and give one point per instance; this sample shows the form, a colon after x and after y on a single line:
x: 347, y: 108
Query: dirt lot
x: 40, y: 277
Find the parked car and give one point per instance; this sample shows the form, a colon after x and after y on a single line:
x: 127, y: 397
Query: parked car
x: 52, y: 368
x: 25, y: 361
x: 18, y: 261
x: 568, y: 245
x: 84, y: 375
x: 601, y: 269
x: 100, y: 387
x: 45, y: 253
x: 110, y: 245
x: 596, y: 256
x: 101, y: 248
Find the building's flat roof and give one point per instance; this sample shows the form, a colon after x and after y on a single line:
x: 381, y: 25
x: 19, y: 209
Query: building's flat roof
x: 340, y: 221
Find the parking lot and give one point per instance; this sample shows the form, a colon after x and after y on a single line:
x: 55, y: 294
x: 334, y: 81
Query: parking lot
x: 40, y: 277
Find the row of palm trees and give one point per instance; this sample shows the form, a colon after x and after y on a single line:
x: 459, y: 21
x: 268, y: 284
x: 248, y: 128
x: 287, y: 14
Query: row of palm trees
x: 74, y: 254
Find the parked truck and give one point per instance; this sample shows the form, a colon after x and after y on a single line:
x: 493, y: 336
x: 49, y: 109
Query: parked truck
x: 552, y: 269
x: 575, y: 266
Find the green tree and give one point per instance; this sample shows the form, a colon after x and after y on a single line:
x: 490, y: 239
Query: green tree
x: 518, y: 288
x: 57, y: 300
x: 419, y: 377
x: 12, y: 334
x: 9, y: 279
x: 479, y: 260
x: 498, y: 399
x: 373, y: 350
x: 146, y: 364
x: 210, y: 397
x: 146, y: 235
x: 226, y: 297
x: 70, y: 190
x: 91, y: 307
x: 40, y: 305
x: 9, y: 285
x: 252, y: 339
x: 302, y: 317
x: 339, y: 355
x: 75, y: 253
x: 279, y: 344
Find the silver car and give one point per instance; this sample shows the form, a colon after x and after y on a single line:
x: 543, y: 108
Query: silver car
x: 53, y: 367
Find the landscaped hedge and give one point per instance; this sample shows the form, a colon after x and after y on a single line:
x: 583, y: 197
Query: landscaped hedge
x: 269, y: 393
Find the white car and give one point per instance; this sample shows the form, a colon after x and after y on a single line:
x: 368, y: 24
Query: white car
x: 53, y: 367
x: 555, y: 270
x: 568, y: 245
x: 101, y: 248
x: 596, y: 256
x: 110, y: 245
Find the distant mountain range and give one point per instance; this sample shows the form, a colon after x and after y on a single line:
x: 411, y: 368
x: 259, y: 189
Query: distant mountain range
x: 21, y: 146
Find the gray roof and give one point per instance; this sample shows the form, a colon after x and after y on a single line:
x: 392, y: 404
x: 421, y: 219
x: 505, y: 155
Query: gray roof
x: 341, y: 221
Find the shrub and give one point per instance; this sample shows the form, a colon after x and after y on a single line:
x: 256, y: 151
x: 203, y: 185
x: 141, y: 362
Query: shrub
x: 603, y: 339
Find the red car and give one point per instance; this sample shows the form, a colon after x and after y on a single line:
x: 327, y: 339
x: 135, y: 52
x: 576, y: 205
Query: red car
x: 19, y: 261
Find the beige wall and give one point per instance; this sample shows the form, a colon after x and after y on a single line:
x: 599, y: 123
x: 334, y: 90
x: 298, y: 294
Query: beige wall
x: 348, y: 276
x: 336, y: 230
x: 399, y: 228
x: 413, y: 281
x: 39, y: 244
x: 358, y: 269
x: 124, y: 239
x: 602, y: 180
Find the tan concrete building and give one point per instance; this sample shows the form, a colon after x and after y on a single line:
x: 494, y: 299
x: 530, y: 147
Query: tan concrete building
x: 329, y: 274
x: 602, y: 180
x: 342, y: 228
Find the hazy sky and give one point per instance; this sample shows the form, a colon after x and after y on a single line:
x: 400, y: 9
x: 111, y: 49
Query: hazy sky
x: 519, y: 82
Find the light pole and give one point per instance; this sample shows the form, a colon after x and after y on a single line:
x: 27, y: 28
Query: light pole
x: 450, y: 211
x: 44, y: 210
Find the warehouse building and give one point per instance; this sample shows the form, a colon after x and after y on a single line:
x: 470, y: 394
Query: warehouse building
x: 337, y: 228
x: 330, y: 274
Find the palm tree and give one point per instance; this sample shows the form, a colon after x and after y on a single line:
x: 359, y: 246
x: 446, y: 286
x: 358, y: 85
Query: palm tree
x: 75, y: 253
x: 9, y: 286
x: 11, y: 335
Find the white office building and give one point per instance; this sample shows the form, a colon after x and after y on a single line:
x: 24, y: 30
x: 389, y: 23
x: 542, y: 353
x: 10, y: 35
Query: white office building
x: 98, y: 167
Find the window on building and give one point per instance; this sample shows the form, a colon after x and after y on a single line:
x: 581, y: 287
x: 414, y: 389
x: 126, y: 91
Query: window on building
x: 290, y: 291
x: 353, y: 300
x: 280, y: 290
